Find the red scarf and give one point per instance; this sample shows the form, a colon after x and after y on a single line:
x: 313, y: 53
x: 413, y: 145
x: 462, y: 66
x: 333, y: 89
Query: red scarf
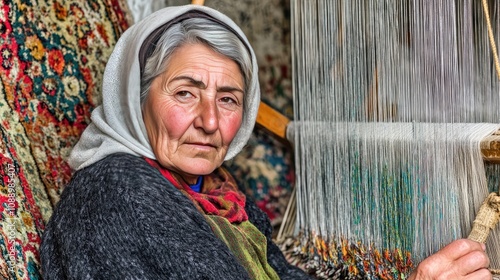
x: 219, y: 194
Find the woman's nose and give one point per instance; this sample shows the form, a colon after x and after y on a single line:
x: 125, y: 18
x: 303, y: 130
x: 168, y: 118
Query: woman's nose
x: 208, y: 117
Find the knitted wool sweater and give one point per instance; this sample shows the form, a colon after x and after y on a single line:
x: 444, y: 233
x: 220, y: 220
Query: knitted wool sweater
x: 121, y: 219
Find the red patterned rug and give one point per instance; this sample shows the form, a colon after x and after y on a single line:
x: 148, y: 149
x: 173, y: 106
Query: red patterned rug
x: 52, y: 57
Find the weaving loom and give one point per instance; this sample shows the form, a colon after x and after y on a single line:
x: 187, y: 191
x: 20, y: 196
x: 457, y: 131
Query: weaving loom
x: 395, y: 113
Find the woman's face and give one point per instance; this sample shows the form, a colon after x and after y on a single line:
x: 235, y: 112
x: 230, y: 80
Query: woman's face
x: 194, y: 110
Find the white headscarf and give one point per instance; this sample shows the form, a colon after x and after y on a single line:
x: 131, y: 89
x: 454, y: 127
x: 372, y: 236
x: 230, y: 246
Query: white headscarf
x: 117, y: 124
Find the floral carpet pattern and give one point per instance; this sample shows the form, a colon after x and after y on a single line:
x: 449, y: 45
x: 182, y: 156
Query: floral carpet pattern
x: 52, y: 57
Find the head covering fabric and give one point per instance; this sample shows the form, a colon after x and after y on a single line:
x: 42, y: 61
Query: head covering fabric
x: 117, y: 125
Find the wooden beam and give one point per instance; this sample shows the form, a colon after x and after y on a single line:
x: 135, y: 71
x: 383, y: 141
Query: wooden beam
x: 272, y: 120
x: 490, y: 148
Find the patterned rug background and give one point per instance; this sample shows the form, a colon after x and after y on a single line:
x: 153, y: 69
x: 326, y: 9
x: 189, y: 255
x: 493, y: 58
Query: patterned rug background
x: 52, y: 57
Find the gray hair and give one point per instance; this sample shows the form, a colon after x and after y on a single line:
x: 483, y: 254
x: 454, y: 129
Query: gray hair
x: 191, y: 31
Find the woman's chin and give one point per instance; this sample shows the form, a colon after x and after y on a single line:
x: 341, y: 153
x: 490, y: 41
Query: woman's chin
x: 197, y: 166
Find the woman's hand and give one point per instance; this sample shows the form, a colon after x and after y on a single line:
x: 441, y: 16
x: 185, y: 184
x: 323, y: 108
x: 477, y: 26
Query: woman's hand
x: 461, y: 259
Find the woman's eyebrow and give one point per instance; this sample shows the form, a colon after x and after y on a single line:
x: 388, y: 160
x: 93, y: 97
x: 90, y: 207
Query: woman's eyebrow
x: 200, y: 84
x: 229, y: 89
x: 196, y: 83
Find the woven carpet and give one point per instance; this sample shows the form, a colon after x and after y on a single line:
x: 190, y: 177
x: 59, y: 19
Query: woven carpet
x: 52, y: 57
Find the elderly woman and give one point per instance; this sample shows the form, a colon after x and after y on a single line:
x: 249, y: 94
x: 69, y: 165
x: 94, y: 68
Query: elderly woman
x: 149, y: 198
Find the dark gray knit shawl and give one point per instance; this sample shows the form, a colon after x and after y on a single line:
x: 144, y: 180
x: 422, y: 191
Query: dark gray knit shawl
x: 121, y: 219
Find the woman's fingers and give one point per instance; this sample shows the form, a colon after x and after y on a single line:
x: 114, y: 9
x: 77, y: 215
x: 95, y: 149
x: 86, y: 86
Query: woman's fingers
x: 482, y: 274
x: 474, y: 261
x: 460, y: 248
x: 461, y: 259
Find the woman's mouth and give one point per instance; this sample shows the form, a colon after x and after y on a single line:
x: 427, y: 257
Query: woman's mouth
x: 202, y: 146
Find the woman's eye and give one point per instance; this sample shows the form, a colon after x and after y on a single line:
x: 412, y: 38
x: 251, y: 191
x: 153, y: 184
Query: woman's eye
x: 184, y: 94
x: 228, y: 100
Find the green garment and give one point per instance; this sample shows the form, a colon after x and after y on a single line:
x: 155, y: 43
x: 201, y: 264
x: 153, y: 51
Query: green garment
x: 247, y: 243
